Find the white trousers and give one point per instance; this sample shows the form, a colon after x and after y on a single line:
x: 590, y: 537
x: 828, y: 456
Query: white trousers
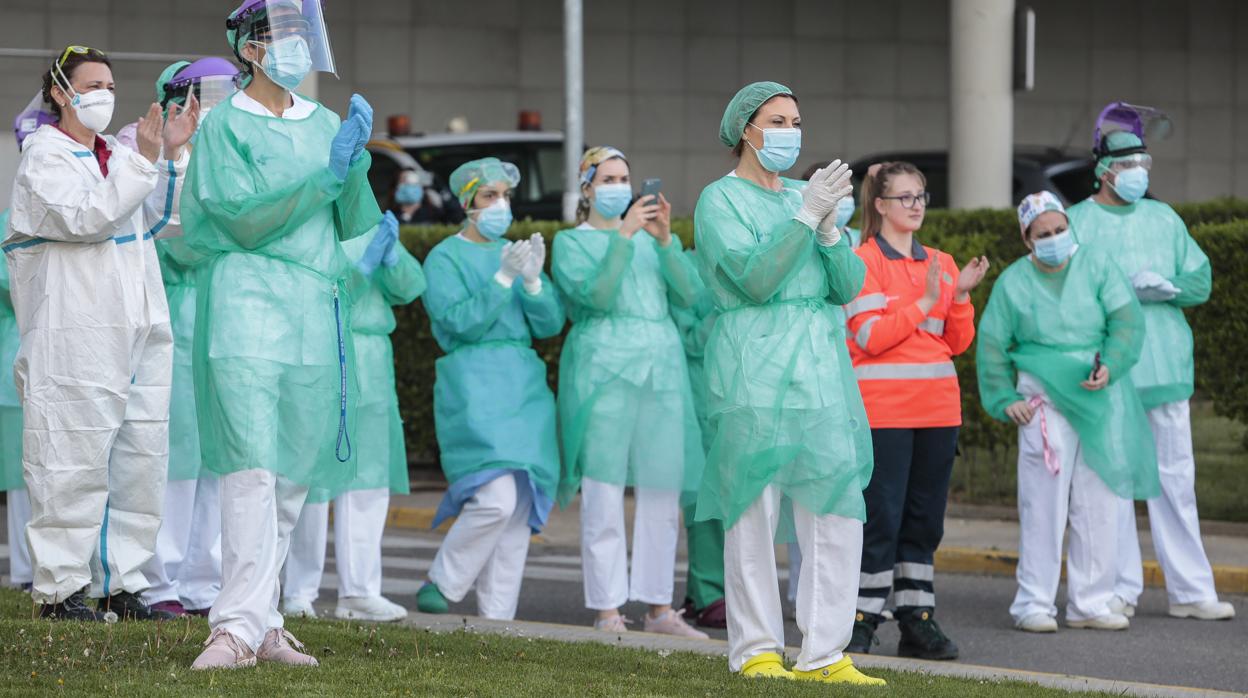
x: 1045, y: 503
x: 827, y: 591
x: 258, y: 512
x: 305, y: 563
x: 359, y: 522
x: 487, y: 546
x: 604, y: 545
x: 187, y: 563
x: 18, y: 511
x: 1172, y: 517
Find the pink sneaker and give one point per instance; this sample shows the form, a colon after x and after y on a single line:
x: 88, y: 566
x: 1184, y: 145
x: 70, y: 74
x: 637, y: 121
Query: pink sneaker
x: 282, y: 647
x: 223, y: 650
x: 614, y: 624
x: 672, y: 622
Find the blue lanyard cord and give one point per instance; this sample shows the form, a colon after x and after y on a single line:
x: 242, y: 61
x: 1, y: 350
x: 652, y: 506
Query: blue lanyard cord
x: 343, y: 436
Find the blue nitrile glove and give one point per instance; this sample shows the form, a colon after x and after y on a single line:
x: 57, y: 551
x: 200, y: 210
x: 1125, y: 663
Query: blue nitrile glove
x: 392, y: 253
x: 377, y: 249
x: 360, y: 107
x: 343, y: 149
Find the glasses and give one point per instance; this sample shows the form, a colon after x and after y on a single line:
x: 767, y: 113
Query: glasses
x: 909, y: 200
x: 74, y: 49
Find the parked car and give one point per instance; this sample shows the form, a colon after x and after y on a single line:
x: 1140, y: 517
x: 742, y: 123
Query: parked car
x: 538, y: 154
x: 1067, y: 173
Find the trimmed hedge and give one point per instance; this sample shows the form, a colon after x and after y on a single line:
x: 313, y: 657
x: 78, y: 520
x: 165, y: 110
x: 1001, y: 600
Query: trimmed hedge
x: 1220, y: 326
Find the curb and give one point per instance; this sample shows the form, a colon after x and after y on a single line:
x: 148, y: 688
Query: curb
x: 719, y: 648
x: 1227, y: 579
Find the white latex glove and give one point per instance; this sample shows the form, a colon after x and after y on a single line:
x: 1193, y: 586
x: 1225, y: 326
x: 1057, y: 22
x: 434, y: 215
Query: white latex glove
x: 532, y: 271
x: 824, y: 191
x: 828, y: 234
x: 1151, y: 287
x: 511, y: 265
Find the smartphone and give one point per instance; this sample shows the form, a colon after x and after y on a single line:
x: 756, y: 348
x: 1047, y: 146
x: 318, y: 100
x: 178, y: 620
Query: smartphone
x: 651, y: 187
x: 1096, y: 366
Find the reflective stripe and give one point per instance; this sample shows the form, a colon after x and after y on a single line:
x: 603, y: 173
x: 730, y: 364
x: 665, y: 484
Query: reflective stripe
x: 120, y: 240
x: 108, y: 574
x: 83, y: 154
x: 914, y: 597
x: 863, y: 335
x: 164, y: 220
x: 24, y: 245
x: 879, y: 580
x: 870, y: 604
x: 943, y: 369
x: 936, y: 327
x: 871, y: 301
x: 914, y: 570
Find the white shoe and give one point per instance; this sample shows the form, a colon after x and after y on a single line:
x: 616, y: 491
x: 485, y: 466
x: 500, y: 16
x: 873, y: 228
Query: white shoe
x: 1120, y: 606
x: 374, y: 608
x: 1203, y: 610
x: 1109, y: 621
x: 1038, y: 623
x: 298, y: 608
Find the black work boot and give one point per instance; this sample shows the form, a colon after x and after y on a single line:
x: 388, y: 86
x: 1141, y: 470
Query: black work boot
x: 73, y: 608
x: 922, y: 637
x: 864, y: 632
x: 129, y: 606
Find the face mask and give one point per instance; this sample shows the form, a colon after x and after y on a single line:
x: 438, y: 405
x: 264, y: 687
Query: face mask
x: 94, y: 109
x: 781, y: 146
x: 1055, y: 249
x: 494, y: 220
x: 844, y: 211
x: 287, y: 62
x: 1131, y: 184
x: 409, y: 194
x: 611, y: 199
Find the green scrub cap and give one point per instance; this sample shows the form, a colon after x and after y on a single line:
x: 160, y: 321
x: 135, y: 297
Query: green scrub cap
x: 743, y: 106
x: 165, y: 76
x: 468, y: 177
x: 1119, y: 142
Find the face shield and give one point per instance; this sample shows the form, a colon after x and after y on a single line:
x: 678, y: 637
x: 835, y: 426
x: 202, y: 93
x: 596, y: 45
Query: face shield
x: 270, y: 21
x: 29, y: 120
x: 1147, y: 123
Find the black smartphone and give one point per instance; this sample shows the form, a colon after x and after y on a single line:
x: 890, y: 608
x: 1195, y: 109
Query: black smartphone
x: 650, y: 187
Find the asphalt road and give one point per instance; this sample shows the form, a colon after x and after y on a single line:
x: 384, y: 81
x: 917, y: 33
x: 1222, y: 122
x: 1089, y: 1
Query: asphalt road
x: 972, y: 609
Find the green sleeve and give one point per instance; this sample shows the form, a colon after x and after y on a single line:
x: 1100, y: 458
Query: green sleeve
x: 544, y: 311
x: 755, y: 271
x: 355, y: 209
x: 179, y: 251
x: 683, y: 282
x: 845, y: 271
x: 592, y: 283
x: 402, y: 283
x: 1124, y: 323
x: 226, y: 193
x: 995, y: 369
x: 464, y: 313
x: 1195, y: 277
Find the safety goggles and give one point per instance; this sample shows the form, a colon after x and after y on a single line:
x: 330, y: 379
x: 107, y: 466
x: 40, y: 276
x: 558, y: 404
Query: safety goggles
x: 82, y: 50
x: 1128, y: 162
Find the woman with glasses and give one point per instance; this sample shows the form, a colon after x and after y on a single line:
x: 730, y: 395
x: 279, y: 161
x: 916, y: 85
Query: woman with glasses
x: 911, y: 318
x: 93, y: 366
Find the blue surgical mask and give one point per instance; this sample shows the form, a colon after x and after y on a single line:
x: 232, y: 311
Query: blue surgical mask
x: 612, y: 200
x: 494, y: 220
x: 1131, y: 184
x: 844, y: 211
x: 409, y: 194
x: 781, y: 146
x: 1055, y: 249
x: 287, y: 61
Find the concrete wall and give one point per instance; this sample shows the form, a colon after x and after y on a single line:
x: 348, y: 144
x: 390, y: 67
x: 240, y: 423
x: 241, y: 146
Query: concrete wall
x: 871, y: 74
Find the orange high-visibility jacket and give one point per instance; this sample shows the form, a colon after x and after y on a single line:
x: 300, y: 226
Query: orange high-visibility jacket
x: 904, y: 359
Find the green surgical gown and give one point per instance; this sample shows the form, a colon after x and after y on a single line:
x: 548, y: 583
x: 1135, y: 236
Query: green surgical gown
x: 1051, y: 326
x: 272, y: 361
x: 1149, y: 235
x: 782, y: 398
x: 10, y: 406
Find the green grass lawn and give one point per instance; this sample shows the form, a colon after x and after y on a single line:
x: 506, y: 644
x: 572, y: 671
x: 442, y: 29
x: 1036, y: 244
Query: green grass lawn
x: 153, y: 659
x: 981, y: 477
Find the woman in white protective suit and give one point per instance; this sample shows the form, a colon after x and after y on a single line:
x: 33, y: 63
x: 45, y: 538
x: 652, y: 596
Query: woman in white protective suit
x: 93, y: 370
